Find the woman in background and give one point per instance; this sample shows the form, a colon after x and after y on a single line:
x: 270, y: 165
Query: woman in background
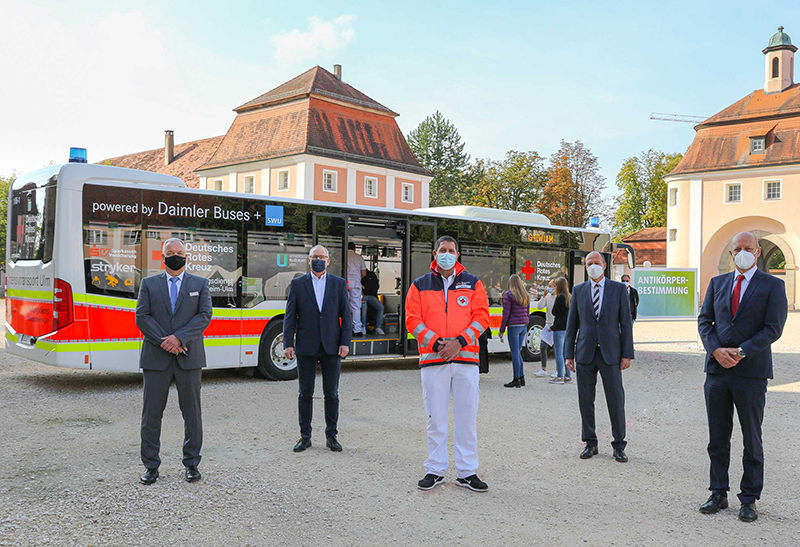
x: 560, y: 313
x: 516, y: 315
x: 546, y: 303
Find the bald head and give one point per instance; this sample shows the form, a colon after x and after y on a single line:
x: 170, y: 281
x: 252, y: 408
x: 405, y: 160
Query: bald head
x: 595, y: 258
x: 744, y: 240
x: 746, y: 244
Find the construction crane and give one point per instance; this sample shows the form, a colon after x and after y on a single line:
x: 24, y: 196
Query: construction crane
x: 663, y: 117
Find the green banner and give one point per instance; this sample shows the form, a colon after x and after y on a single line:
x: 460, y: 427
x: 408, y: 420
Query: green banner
x: 666, y: 293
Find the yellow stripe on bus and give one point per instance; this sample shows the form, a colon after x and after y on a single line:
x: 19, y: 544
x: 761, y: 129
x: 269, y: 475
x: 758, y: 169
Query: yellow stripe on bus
x: 28, y: 293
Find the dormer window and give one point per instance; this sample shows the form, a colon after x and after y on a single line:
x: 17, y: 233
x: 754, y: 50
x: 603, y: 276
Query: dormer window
x: 758, y: 145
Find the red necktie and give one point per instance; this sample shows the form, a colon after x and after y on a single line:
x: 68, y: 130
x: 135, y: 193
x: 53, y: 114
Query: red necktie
x: 736, y: 292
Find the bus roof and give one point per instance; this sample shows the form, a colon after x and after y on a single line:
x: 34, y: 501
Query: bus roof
x: 486, y: 213
x: 74, y: 175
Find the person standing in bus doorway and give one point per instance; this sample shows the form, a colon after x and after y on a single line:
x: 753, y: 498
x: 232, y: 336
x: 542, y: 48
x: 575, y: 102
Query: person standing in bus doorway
x: 356, y: 270
x: 743, y: 314
x: 316, y: 329
x: 173, y: 311
x: 600, y: 320
x: 633, y: 294
x: 446, y: 311
x: 516, y: 315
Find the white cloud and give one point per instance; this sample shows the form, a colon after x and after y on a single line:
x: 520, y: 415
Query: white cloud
x: 321, y: 37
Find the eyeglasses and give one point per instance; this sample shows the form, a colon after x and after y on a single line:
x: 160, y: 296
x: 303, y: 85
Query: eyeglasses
x: 318, y: 257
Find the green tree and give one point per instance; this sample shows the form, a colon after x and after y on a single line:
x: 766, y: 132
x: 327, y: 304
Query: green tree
x: 574, y: 188
x: 513, y: 184
x: 5, y: 182
x: 439, y: 149
x: 642, y: 202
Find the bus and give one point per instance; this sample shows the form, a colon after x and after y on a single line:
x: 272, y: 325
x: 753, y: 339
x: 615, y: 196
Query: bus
x: 81, y: 237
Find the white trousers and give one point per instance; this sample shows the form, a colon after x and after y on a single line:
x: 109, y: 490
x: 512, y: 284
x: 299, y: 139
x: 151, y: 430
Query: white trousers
x: 439, y: 383
x: 355, y: 304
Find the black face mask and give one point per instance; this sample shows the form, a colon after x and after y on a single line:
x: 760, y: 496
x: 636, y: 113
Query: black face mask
x: 175, y: 262
x: 318, y: 265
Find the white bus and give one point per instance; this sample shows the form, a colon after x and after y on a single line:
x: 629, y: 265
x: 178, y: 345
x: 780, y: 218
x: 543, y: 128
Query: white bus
x: 81, y: 237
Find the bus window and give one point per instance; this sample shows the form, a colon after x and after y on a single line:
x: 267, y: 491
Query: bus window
x: 488, y: 262
x: 537, y: 267
x: 112, y: 240
x: 33, y: 216
x: 273, y: 260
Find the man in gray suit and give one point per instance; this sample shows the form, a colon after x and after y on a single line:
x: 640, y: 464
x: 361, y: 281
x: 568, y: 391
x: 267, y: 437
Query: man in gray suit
x: 600, y: 319
x: 173, y: 310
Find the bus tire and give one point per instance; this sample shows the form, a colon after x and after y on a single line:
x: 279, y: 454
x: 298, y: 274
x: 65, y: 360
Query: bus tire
x: 272, y: 364
x: 530, y: 351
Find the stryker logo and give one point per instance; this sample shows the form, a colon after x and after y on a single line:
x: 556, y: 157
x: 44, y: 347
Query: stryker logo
x: 113, y: 268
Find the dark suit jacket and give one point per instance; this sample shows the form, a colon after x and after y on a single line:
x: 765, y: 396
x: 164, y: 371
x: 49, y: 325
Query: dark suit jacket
x: 613, y: 331
x: 634, y: 296
x: 155, y: 319
x: 757, y: 324
x: 332, y: 326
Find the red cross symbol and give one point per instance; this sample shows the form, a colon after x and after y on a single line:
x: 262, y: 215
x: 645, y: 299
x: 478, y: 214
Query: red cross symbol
x: 528, y: 270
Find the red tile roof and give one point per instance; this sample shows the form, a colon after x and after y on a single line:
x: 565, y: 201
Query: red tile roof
x: 316, y: 81
x: 188, y: 156
x: 647, y: 234
x: 723, y: 140
x: 648, y: 244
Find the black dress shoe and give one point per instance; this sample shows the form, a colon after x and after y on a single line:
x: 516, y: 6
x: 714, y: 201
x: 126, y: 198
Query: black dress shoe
x: 333, y: 444
x: 748, y: 512
x: 193, y: 474
x: 620, y: 455
x: 513, y: 383
x: 714, y: 504
x: 302, y: 444
x: 522, y: 381
x: 588, y: 452
x: 149, y: 477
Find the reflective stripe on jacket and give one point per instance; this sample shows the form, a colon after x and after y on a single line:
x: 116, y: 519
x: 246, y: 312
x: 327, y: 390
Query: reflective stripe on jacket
x: 464, y: 316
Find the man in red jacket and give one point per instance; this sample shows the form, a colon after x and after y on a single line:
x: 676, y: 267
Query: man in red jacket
x: 446, y: 311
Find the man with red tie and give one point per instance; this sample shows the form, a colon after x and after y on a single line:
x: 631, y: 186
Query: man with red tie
x: 742, y: 315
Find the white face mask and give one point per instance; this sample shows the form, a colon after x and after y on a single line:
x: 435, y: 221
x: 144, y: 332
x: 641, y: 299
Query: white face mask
x: 745, y: 259
x: 595, y: 271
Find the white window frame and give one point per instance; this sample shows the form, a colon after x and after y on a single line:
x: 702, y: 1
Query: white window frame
x: 670, y: 233
x: 728, y: 186
x: 252, y: 179
x: 281, y: 187
x: 334, y: 189
x: 374, y: 181
x: 403, y: 192
x: 780, y: 189
x: 669, y: 196
x: 762, y: 145
x: 221, y: 185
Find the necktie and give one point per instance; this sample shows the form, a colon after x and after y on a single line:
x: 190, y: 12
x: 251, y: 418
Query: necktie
x: 173, y: 292
x: 596, y: 300
x: 737, y: 290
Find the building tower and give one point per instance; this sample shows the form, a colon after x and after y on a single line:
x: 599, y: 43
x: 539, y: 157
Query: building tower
x: 779, y: 63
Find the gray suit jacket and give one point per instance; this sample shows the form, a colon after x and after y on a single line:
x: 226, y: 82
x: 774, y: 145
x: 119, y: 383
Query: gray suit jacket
x: 613, y: 332
x: 155, y: 319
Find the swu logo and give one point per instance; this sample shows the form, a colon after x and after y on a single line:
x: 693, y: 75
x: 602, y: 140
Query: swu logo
x: 282, y: 260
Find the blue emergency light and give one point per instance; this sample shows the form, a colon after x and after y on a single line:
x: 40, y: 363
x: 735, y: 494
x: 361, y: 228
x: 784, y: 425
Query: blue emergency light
x: 77, y: 155
x: 594, y: 222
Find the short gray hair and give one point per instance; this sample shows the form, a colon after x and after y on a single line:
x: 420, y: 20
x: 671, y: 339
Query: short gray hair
x: 315, y: 247
x: 172, y: 240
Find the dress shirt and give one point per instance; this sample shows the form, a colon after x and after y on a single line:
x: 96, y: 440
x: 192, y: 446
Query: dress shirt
x: 447, y: 282
x: 748, y: 275
x: 602, y: 284
x: 319, y: 287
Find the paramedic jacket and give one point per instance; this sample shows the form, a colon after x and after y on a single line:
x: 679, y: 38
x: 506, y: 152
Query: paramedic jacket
x: 432, y: 321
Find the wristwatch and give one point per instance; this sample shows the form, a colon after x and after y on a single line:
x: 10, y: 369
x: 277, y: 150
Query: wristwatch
x: 742, y: 353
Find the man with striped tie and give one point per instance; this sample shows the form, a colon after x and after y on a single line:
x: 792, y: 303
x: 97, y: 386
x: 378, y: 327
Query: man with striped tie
x: 600, y: 322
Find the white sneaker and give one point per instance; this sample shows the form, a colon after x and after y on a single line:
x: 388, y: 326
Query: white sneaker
x: 557, y: 380
x: 363, y: 332
x: 554, y: 375
x: 379, y: 330
x: 541, y: 373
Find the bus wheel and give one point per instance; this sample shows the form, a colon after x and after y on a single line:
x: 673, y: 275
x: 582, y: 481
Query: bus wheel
x: 272, y: 363
x: 530, y: 351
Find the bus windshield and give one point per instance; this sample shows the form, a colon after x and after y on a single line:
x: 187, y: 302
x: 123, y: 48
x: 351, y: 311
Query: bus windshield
x: 31, y: 223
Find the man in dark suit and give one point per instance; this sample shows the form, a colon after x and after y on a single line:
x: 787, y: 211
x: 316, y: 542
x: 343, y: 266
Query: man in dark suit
x: 600, y: 321
x: 633, y: 294
x: 743, y: 313
x: 316, y: 329
x: 173, y: 310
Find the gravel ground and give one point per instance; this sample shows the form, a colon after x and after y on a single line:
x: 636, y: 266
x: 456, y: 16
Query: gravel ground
x: 70, y: 453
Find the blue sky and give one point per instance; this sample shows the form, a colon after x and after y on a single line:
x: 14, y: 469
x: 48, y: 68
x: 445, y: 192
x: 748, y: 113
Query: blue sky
x: 514, y: 75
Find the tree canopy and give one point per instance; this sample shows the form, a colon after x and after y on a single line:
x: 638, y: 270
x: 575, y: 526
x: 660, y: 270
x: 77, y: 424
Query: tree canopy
x: 514, y: 184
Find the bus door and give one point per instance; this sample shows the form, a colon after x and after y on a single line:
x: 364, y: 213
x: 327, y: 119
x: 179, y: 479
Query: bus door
x: 329, y: 231
x: 420, y: 238
x: 380, y: 241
